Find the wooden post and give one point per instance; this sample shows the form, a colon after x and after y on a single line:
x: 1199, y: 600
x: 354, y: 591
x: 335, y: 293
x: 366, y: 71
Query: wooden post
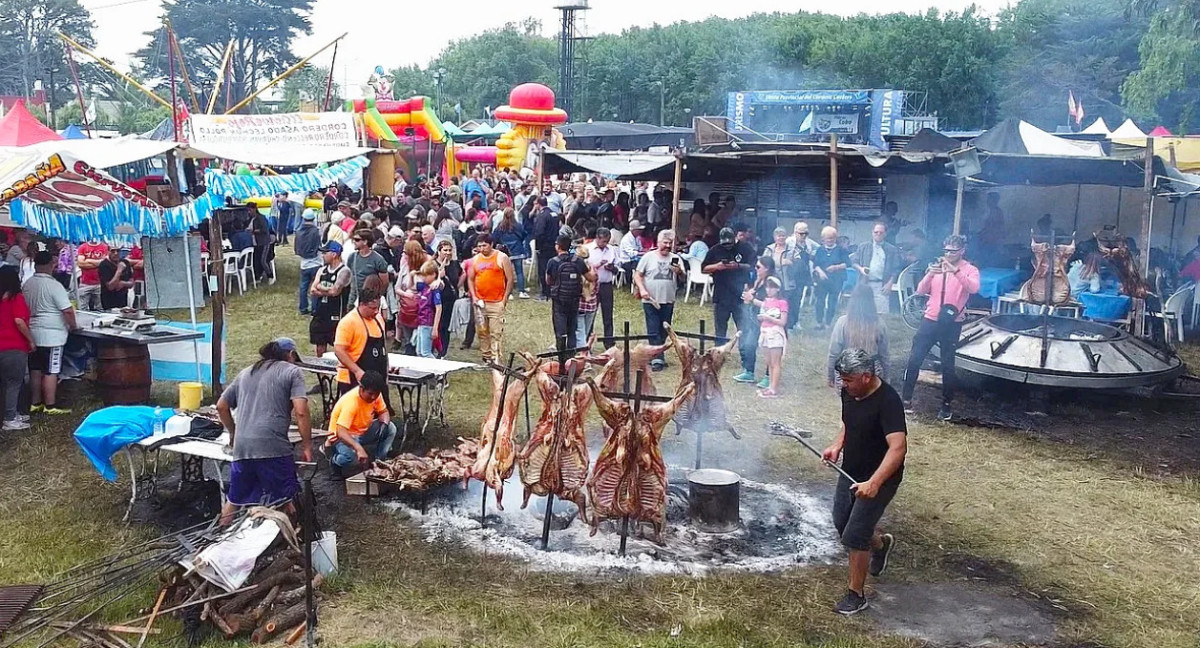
x: 833, y: 180
x: 1147, y: 206
x: 958, y: 201
x: 677, y: 191
x: 216, y: 256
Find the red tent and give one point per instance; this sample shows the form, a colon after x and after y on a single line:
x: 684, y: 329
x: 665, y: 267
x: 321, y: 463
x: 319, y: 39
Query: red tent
x: 1160, y: 131
x: 20, y: 128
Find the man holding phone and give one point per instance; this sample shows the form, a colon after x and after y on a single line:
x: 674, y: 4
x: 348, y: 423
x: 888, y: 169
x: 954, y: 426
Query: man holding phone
x: 729, y: 262
x: 655, y: 279
x: 602, y: 258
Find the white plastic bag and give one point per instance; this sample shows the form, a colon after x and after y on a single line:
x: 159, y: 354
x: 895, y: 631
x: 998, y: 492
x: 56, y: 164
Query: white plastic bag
x: 324, y: 554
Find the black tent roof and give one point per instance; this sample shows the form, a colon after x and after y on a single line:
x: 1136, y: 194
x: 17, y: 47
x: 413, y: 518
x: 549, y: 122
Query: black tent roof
x: 928, y: 140
x: 1004, y: 137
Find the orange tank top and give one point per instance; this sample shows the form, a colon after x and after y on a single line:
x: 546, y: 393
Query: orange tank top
x: 489, y: 278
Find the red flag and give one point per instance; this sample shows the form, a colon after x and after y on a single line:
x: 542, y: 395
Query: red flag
x: 1078, y: 112
x: 1072, y: 108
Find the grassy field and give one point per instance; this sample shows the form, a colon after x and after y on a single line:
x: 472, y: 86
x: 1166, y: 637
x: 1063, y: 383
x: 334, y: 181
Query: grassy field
x: 1097, y: 532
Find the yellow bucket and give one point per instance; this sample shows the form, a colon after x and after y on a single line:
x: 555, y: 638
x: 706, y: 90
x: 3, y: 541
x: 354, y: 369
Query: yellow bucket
x: 190, y: 394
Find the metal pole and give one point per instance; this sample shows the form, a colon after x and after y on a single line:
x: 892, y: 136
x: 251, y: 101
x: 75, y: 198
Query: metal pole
x: 833, y: 180
x: 495, y: 431
x: 174, y: 94
x: 677, y: 191
x: 329, y: 81
x: 662, y: 104
x: 187, y: 81
x: 78, y: 88
x: 216, y: 253
x: 637, y: 406
x: 702, y: 325
x: 286, y: 73
x: 310, y: 609
x: 958, y: 205
x: 187, y: 262
x: 1147, y: 206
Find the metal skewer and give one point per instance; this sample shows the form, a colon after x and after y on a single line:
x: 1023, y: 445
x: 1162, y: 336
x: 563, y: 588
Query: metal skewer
x: 782, y: 430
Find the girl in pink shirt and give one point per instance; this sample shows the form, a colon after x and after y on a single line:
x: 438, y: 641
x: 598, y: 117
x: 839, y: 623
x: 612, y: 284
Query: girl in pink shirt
x: 772, y: 338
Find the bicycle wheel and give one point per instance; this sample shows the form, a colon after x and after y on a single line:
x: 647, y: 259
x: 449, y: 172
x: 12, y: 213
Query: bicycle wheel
x: 913, y: 310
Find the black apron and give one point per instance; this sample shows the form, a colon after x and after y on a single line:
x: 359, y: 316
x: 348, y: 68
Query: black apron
x: 374, y: 356
x: 331, y: 309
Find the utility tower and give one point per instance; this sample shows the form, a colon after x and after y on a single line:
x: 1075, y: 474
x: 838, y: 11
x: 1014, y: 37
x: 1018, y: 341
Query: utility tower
x: 568, y: 38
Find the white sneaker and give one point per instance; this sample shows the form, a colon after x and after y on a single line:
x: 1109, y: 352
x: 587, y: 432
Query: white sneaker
x: 23, y: 417
x: 523, y: 295
x: 15, y: 425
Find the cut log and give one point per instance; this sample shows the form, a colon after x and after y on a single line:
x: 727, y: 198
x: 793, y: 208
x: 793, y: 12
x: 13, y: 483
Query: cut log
x: 243, y: 601
x: 295, y: 634
x: 280, y: 622
x: 283, y: 562
x: 290, y: 597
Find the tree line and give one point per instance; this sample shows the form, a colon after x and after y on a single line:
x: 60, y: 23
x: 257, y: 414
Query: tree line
x: 1118, y: 57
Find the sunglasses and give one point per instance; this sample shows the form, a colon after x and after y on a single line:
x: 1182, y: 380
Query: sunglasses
x: 951, y: 250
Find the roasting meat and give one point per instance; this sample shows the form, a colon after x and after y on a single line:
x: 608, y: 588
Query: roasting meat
x: 630, y: 476
x: 555, y: 460
x: 438, y: 468
x: 1115, y: 250
x: 706, y: 409
x: 1034, y: 290
x: 497, y: 453
x: 612, y: 376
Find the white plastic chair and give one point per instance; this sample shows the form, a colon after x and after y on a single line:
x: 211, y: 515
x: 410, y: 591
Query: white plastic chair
x: 696, y: 276
x: 530, y: 266
x: 1174, y: 308
x: 906, y: 282
x: 246, y: 265
x: 233, y: 270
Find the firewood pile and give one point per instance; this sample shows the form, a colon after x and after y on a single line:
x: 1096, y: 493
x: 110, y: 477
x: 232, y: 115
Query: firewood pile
x: 419, y: 473
x: 269, y: 605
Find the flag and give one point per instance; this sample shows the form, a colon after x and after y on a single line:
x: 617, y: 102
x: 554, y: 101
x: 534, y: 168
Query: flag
x: 1078, y: 112
x: 458, y: 108
x: 90, y: 114
x: 1073, y: 108
x: 487, y: 110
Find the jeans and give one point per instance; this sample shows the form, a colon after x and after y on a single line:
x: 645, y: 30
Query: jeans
x: 655, y: 318
x: 793, y: 300
x: 13, y: 364
x: 748, y: 343
x: 543, y: 261
x: 444, y: 325
x: 565, y: 315
x: 307, y: 304
x: 827, y: 294
x: 489, y: 323
x: 518, y: 275
x: 945, y: 336
x: 376, y: 441
x: 583, y: 328
x: 883, y: 298
x: 422, y: 341
x: 722, y: 313
x: 605, y: 293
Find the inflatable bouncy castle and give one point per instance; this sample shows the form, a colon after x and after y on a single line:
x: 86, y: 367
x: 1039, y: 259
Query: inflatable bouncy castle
x: 533, y: 115
x: 388, y: 121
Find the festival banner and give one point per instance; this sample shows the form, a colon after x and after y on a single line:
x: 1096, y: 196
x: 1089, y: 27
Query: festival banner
x: 308, y: 129
x: 62, y: 183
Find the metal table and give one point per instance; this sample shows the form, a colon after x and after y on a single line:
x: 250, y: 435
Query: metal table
x: 408, y: 384
x: 121, y: 352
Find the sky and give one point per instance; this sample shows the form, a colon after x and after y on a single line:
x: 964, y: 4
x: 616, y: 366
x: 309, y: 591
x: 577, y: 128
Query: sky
x: 393, y: 33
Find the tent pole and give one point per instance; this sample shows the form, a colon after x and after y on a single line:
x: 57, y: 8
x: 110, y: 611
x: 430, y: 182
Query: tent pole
x: 216, y: 252
x: 833, y: 180
x: 1147, y: 205
x: 958, y: 205
x: 677, y: 191
x: 187, y: 262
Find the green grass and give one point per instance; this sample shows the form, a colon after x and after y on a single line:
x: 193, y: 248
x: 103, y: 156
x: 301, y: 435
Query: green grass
x: 1087, y: 530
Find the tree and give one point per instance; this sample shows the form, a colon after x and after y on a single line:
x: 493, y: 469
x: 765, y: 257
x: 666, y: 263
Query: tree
x: 262, y: 32
x: 29, y: 49
x: 1167, y: 86
x: 307, y: 86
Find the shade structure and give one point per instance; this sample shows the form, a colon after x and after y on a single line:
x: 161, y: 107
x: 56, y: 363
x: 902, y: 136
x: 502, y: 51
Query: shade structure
x: 73, y: 132
x: 20, y: 128
x: 1127, y: 130
x: 1098, y: 127
x: 1160, y: 131
x: 1016, y: 137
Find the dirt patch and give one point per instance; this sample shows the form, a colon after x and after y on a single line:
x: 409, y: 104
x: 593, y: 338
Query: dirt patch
x: 960, y: 614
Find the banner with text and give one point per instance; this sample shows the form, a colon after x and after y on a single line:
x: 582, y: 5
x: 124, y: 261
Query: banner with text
x: 312, y: 129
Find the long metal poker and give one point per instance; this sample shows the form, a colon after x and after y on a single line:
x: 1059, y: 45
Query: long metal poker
x: 784, y: 430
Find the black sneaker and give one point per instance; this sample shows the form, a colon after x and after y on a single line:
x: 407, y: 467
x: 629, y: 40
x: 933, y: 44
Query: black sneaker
x: 879, y: 557
x: 944, y: 412
x: 852, y: 603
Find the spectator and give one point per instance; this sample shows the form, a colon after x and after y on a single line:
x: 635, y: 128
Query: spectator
x: 566, y: 274
x: 66, y: 261
x: 512, y: 237
x: 632, y: 247
x: 266, y: 395
x: 749, y: 327
x: 286, y: 214
x: 602, y: 258
x: 473, y: 190
x: 784, y: 256
x: 545, y: 233
x: 51, y: 320
x: 19, y: 249
x: 879, y: 262
x: 308, y: 245
x: 729, y: 266
x: 490, y: 280
x: 89, y: 256
x: 429, y: 310
x: 589, y: 303
x: 859, y: 328
x: 829, y: 266
x: 655, y: 278
x: 116, y: 278
x: 264, y: 247
x: 16, y: 343
x: 365, y: 262
x: 360, y: 428
x: 772, y: 337
x: 450, y: 275
x: 949, y: 282
x: 330, y: 297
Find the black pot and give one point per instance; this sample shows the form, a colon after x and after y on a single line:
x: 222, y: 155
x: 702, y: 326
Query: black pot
x: 714, y: 500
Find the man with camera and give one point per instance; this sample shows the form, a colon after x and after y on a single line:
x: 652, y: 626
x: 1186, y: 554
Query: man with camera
x: 949, y: 282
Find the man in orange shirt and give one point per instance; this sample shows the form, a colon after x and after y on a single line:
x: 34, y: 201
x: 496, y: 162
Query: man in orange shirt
x: 360, y: 343
x: 490, y: 280
x: 360, y: 429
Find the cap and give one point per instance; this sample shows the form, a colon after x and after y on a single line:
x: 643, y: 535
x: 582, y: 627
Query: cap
x: 310, y: 214
x: 331, y: 246
x: 285, y: 343
x: 635, y: 225
x: 344, y: 203
x: 727, y: 235
x: 396, y: 232
x: 741, y: 227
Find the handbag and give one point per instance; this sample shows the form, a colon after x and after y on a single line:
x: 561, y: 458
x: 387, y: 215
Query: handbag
x: 947, y: 313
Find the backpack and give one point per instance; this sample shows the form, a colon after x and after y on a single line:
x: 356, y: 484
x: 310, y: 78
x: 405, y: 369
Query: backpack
x: 408, y: 310
x: 568, y: 283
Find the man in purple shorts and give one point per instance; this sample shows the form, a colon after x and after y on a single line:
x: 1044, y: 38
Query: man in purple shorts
x: 266, y: 396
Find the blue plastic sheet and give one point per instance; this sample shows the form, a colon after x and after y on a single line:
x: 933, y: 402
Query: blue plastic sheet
x: 106, y: 431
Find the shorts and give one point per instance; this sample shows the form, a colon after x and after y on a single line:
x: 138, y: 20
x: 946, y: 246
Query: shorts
x: 47, y: 360
x: 321, y: 331
x: 262, y: 481
x: 772, y: 337
x: 854, y: 518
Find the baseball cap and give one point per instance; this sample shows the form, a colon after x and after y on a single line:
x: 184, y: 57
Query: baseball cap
x: 635, y: 225
x: 396, y: 232
x: 727, y: 235
x: 310, y: 214
x: 331, y: 246
x: 344, y: 203
x: 285, y: 343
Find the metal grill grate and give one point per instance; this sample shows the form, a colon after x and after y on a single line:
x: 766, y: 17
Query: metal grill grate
x: 14, y: 601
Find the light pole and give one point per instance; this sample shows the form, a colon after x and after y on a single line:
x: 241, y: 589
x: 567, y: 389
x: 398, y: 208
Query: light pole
x: 438, y: 75
x: 662, y: 102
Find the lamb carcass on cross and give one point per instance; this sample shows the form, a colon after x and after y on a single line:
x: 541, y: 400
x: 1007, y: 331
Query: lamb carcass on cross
x: 497, y: 452
x: 555, y: 459
x: 630, y: 476
x: 1034, y: 290
x: 706, y: 409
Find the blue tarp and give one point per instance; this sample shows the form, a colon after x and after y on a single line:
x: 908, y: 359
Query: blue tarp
x: 106, y: 431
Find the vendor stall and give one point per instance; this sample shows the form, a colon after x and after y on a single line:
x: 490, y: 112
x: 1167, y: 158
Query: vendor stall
x: 122, y: 352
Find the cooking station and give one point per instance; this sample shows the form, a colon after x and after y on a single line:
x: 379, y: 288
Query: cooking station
x: 122, y: 341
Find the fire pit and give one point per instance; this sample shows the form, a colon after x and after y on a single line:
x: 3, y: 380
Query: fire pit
x: 714, y: 500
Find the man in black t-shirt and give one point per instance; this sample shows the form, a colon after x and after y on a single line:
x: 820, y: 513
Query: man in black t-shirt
x: 729, y: 263
x: 872, y: 445
x: 565, y: 275
x: 116, y: 278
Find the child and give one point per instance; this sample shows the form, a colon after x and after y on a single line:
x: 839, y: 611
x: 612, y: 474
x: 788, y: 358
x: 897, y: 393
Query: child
x: 772, y: 339
x: 429, y: 310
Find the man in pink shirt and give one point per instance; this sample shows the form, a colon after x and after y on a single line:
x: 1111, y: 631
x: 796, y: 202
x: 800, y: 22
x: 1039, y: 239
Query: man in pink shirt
x: 949, y: 282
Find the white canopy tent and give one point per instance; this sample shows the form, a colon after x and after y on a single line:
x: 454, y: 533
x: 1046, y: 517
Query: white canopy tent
x: 1127, y: 130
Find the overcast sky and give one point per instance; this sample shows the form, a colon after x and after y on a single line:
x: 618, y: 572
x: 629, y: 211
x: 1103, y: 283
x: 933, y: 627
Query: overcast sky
x: 394, y: 33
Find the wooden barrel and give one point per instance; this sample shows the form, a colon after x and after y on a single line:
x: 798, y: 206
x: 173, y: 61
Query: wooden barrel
x: 123, y: 373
